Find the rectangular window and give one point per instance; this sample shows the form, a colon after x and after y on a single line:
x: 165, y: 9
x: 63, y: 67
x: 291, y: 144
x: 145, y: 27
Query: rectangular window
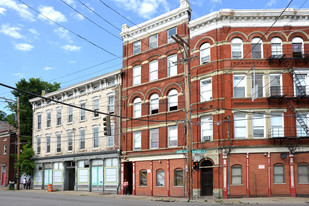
x: 96, y: 107
x: 58, y: 143
x: 172, y: 136
x: 82, y: 112
x: 47, y: 144
x: 4, y: 149
x: 82, y: 139
x: 257, y: 85
x: 136, y: 75
x: 236, y: 51
x: 297, y: 49
x: 153, y: 70
x: 276, y: 125
x: 110, y: 139
x: 206, y: 128
x: 59, y: 117
x: 38, y: 145
x: 48, y: 119
x: 153, y: 41
x: 256, y: 50
x: 278, y: 174
x: 171, y: 32
x: 111, y: 104
x: 39, y: 121
x: 206, y: 90
x: 258, y: 125
x: 303, y: 174
x: 137, y: 141
x: 276, y: 49
x: 300, y: 84
x: 178, y: 177
x: 171, y: 65
x: 304, y: 117
x: 70, y: 141
x: 240, y: 126
x: 236, y: 176
x: 275, y: 84
x: 239, y: 85
x: 137, y: 47
x: 70, y: 114
x: 143, y: 178
x: 154, y: 138
x: 95, y: 137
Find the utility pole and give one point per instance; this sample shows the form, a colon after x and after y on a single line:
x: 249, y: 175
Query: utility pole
x: 185, y: 61
x: 18, y: 142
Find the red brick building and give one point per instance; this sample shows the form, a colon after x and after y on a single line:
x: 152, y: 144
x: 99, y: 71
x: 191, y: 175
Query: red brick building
x: 249, y: 104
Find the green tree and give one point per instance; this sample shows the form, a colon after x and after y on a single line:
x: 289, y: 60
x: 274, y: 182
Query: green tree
x: 24, y: 162
x: 2, y: 115
x: 35, y: 86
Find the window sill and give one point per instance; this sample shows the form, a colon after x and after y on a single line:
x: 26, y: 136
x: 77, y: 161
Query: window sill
x: 70, y: 151
x: 38, y: 130
x: 57, y: 126
x: 143, y: 186
x: 237, y: 185
x: 47, y: 128
x: 81, y: 121
x: 178, y: 186
x: 82, y: 150
x: 95, y: 118
x: 70, y: 123
x: 279, y: 183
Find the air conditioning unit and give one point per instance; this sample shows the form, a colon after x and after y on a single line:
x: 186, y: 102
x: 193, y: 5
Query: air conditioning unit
x: 206, y: 138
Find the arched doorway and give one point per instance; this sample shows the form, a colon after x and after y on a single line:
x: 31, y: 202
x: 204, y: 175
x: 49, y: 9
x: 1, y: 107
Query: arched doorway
x: 206, y: 178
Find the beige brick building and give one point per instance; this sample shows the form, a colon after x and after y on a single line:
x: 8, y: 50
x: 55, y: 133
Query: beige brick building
x: 71, y: 150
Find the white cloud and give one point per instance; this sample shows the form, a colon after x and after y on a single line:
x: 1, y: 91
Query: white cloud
x: 144, y: 8
x: 20, y: 75
x: 2, y: 10
x: 34, y: 32
x: 72, y: 62
x: 216, y: 1
x: 21, y: 9
x: 49, y: 12
x: 71, y: 2
x: 11, y: 31
x: 271, y: 3
x: 48, y: 68
x: 63, y: 34
x: 71, y: 47
x: 24, y: 47
x: 79, y: 17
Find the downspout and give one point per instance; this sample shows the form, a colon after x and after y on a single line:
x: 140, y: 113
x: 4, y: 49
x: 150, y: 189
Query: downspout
x: 228, y: 154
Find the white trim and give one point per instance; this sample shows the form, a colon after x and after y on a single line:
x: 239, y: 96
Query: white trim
x: 157, y: 157
x: 267, y: 150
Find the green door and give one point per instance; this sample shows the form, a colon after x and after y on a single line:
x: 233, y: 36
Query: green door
x: 48, y: 177
x: 96, y: 177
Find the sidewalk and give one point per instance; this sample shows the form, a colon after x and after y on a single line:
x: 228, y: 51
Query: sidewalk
x: 271, y: 200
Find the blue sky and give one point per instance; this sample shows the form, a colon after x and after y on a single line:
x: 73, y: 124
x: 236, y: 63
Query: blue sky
x: 33, y: 46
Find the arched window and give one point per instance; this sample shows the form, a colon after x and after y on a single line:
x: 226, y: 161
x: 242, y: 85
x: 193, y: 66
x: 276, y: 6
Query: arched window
x: 237, y: 48
x: 303, y: 173
x: 160, y: 177
x: 173, y: 100
x: 298, y: 47
x: 256, y: 48
x: 236, y: 175
x: 154, y: 104
x: 276, y: 47
x: 143, y: 178
x: 205, y: 53
x: 278, y: 173
x: 178, y: 177
x: 137, y: 107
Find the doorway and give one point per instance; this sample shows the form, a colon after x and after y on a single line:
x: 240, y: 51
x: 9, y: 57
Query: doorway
x: 69, y: 183
x: 206, y: 178
x: 128, y: 175
x: 3, y: 179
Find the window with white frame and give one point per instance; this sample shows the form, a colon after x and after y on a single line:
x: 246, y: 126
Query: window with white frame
x: 48, y: 119
x: 82, y: 112
x: 137, y: 107
x: 258, y: 125
x: 205, y: 53
x: 143, y: 178
x: 58, y: 117
x: 173, y: 100
x: 137, y: 141
x: 82, y: 139
x: 160, y: 177
x: 95, y: 139
x: 302, y: 116
x: 153, y: 41
x: 298, y: 47
x: 70, y: 114
x: 236, y: 175
x: 206, y: 90
x: 58, y: 136
x: 110, y: 139
x: 70, y: 141
x: 171, y: 32
x: 47, y: 144
x: 276, y: 47
x: 275, y: 85
x: 303, y: 173
x: 301, y: 88
x: 38, y: 145
x: 4, y: 149
x: 153, y: 70
x: 154, y: 138
x: 239, y: 85
x: 279, y: 173
x: 237, y: 48
x: 206, y: 128
x: 111, y: 104
x: 172, y: 136
x: 171, y: 65
x: 240, y: 126
x: 154, y: 104
x: 39, y: 118
x: 257, y: 85
x: 137, y: 75
x: 137, y: 47
x: 276, y: 125
x: 256, y: 48
x: 96, y: 106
